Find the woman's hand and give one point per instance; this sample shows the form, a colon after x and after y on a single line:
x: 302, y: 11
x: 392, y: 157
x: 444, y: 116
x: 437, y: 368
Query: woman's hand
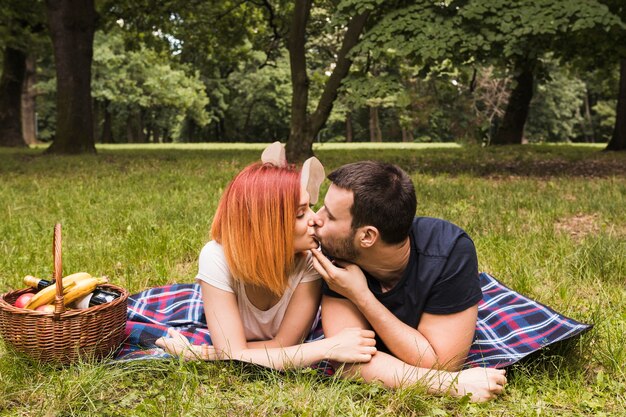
x: 482, y: 384
x: 351, y: 345
x: 177, y: 344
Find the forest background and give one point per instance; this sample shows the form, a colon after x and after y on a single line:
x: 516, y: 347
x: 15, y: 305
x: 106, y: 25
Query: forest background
x: 80, y: 72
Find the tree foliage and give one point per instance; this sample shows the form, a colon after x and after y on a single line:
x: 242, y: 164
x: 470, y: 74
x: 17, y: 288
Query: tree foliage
x: 240, y: 70
x: 142, y: 80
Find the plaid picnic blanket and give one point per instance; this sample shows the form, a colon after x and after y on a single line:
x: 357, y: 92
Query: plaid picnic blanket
x: 509, y: 327
x: 153, y: 311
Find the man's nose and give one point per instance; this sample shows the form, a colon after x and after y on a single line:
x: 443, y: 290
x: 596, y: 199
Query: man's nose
x: 316, y: 221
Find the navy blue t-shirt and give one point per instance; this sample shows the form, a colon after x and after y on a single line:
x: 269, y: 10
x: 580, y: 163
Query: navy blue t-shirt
x: 441, y: 276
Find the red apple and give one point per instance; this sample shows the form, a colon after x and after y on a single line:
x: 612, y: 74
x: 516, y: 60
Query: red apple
x: 23, y: 299
x: 46, y: 308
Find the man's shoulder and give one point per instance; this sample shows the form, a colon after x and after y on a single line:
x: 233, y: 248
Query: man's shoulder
x: 435, y: 237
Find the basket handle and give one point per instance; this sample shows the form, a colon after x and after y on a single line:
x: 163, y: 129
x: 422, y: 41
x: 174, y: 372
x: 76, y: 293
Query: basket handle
x: 59, y: 306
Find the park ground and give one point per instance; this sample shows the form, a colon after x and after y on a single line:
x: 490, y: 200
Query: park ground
x: 547, y: 220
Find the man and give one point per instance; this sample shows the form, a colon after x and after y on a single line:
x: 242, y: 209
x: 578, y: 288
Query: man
x: 413, y: 280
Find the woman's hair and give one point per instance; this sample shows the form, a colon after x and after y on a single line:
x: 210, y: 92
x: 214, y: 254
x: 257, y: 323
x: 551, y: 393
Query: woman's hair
x: 255, y: 222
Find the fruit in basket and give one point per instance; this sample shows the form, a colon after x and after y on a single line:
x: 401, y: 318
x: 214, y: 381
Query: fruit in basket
x: 82, y: 288
x: 46, y: 296
x: 46, y: 308
x: 40, y: 284
x: 23, y: 299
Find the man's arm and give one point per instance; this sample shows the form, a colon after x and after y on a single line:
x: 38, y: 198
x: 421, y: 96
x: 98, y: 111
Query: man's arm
x: 483, y: 384
x: 440, y: 341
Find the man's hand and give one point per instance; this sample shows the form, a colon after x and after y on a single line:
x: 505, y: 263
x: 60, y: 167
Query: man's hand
x: 342, y: 277
x: 481, y: 384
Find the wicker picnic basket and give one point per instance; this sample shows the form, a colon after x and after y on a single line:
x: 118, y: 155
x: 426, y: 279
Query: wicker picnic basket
x: 65, y: 336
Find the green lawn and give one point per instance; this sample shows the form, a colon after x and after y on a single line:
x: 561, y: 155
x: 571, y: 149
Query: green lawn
x: 548, y: 221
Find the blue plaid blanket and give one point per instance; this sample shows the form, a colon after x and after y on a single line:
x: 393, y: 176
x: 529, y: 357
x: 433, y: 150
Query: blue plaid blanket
x: 509, y: 327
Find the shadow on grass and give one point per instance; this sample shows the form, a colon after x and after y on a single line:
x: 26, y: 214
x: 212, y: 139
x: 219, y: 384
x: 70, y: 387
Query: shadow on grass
x: 499, y: 162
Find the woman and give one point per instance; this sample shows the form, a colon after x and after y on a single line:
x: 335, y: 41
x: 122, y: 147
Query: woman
x: 259, y: 288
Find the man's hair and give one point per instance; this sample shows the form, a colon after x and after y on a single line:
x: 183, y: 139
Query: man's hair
x: 255, y: 222
x: 384, y: 197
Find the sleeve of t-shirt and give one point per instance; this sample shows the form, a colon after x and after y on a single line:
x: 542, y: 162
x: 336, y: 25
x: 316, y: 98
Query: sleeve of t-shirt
x: 212, y: 267
x: 458, y: 287
x: 327, y: 291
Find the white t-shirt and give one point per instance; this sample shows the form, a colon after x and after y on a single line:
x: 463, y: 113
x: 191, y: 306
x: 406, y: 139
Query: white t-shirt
x: 257, y: 324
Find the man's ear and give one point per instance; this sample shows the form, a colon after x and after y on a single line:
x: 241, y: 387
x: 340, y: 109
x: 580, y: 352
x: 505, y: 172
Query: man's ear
x: 367, y: 236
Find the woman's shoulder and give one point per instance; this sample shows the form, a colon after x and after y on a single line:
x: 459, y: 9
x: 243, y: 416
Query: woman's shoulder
x: 212, y: 247
x: 212, y: 266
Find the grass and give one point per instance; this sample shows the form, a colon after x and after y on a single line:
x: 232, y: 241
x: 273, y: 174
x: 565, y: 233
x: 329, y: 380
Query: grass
x: 547, y: 220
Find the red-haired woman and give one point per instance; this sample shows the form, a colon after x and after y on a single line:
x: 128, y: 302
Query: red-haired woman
x: 260, y: 290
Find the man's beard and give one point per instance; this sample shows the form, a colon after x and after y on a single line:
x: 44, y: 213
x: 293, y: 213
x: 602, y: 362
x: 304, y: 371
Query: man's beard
x: 340, y: 248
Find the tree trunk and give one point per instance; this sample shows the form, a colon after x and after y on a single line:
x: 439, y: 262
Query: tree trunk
x: 157, y: 135
x: 300, y: 143
x: 141, y: 134
x: 29, y: 118
x: 131, y: 137
x: 303, y: 128
x: 166, y: 136
x: 134, y: 127
x: 349, y: 129
x: 511, y: 130
x: 407, y: 135
x: 72, y: 25
x: 590, y: 135
x: 375, y: 133
x: 107, y: 130
x: 149, y: 133
x: 13, y: 70
x: 220, y: 126
x: 618, y: 140
x: 96, y: 109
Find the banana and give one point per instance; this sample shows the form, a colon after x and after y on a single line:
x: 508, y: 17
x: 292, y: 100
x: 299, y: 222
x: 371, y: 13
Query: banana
x: 79, y: 276
x: 31, y: 281
x: 46, y: 296
x: 82, y: 288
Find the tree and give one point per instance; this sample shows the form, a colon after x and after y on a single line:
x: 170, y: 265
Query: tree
x: 147, y: 91
x: 29, y: 94
x: 618, y: 139
x: 555, y: 114
x: 22, y: 21
x: 72, y: 25
x: 214, y: 37
x: 258, y: 101
x: 511, y: 35
x: 303, y: 126
x: 618, y: 36
x: 523, y: 33
x: 13, y: 70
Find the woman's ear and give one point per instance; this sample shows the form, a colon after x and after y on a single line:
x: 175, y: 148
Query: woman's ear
x: 368, y: 236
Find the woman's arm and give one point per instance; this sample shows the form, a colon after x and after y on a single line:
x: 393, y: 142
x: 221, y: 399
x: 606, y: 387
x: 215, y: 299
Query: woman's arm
x: 227, y: 334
